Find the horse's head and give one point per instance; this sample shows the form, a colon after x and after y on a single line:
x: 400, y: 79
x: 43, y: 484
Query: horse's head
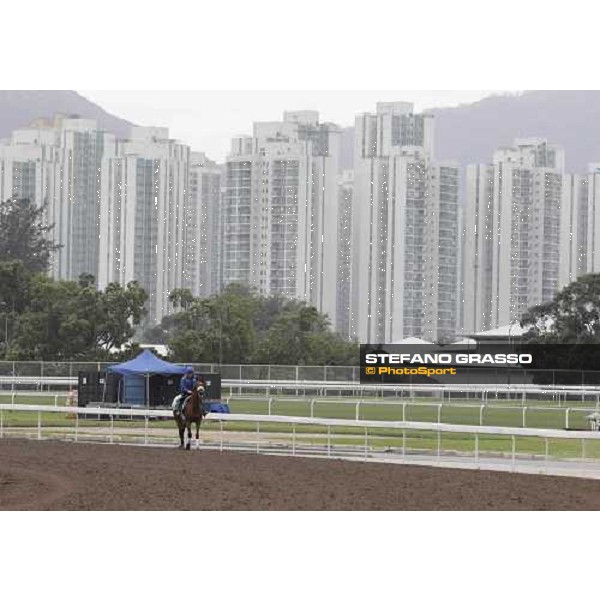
x: 200, y: 389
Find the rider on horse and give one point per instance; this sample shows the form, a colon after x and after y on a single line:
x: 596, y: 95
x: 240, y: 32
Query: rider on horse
x: 186, y: 387
x: 187, y: 384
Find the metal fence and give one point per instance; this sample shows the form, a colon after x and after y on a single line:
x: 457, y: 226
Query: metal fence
x: 550, y: 377
x: 553, y: 451
x: 284, y: 372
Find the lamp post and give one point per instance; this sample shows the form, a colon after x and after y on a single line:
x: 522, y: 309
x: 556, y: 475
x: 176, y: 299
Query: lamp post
x: 510, y: 346
x: 3, y: 306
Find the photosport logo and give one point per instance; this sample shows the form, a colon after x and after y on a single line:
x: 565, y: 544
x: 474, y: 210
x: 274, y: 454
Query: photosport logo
x: 446, y: 364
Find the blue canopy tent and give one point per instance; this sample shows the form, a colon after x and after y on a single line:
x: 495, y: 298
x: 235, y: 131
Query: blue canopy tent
x: 137, y: 372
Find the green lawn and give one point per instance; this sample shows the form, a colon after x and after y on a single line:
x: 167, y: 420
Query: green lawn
x: 497, y: 413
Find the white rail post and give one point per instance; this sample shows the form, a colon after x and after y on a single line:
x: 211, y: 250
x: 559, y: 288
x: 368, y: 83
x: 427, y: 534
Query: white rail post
x: 439, y: 414
x: 56, y: 400
x: 404, y: 412
x: 270, y: 404
x: 293, y: 439
x: 514, y: 451
x: 583, y: 449
x: 567, y: 418
x: 439, y: 443
x: 12, y: 398
x: 481, y: 414
x: 477, y: 447
x: 524, y: 412
x: 358, y: 410
x: 546, y: 452
x: 39, y: 427
x: 404, y: 442
x: 312, y: 408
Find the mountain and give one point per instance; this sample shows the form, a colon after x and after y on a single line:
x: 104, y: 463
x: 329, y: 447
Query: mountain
x: 20, y: 108
x: 471, y: 132
x: 466, y: 133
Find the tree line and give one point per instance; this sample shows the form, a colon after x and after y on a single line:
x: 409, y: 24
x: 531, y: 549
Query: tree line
x: 45, y: 319
x: 240, y: 326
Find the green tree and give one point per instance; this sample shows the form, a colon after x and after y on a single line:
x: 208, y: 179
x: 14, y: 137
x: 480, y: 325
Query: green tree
x: 24, y: 236
x: 573, y: 316
x: 217, y: 329
x: 73, y: 320
x: 240, y: 326
x: 564, y: 334
x: 181, y: 298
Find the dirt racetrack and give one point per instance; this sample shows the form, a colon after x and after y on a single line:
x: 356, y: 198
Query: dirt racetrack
x: 67, y: 476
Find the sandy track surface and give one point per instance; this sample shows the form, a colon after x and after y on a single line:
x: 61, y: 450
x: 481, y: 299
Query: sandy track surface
x: 68, y: 476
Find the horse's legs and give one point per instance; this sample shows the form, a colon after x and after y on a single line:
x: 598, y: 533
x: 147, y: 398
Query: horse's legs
x: 180, y: 430
x: 198, y: 423
x: 189, y: 436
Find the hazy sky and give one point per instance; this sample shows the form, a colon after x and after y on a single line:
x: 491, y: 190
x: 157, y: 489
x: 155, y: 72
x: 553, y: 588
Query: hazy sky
x: 207, y: 120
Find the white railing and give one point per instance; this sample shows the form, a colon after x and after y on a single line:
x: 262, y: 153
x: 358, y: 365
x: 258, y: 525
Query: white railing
x: 486, y: 392
x: 439, y: 409
x: 367, y: 430
x: 482, y: 410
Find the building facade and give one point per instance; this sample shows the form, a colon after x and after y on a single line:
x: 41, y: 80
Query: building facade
x: 344, y: 267
x: 513, y: 235
x: 405, y: 210
x: 280, y: 212
x: 146, y: 218
x: 204, y: 238
x: 580, y: 226
x: 57, y: 164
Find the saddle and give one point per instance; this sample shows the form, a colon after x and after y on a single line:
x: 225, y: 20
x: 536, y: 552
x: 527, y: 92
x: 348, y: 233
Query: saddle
x: 181, y: 400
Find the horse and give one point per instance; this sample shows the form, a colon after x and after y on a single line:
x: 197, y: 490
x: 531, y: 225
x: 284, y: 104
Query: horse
x: 192, y: 413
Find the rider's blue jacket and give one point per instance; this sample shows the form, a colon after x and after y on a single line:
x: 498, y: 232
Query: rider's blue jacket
x: 187, y: 384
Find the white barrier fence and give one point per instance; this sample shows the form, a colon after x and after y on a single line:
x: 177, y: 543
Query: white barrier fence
x: 331, y: 445
x: 438, y: 409
x: 439, y: 412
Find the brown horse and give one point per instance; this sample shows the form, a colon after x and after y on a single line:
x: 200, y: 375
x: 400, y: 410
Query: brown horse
x: 192, y: 413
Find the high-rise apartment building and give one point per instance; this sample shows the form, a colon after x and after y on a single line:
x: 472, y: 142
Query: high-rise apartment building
x: 442, y: 255
x: 344, y: 268
x: 580, y: 225
x: 512, y: 233
x: 204, y: 226
x: 405, y: 265
x: 58, y: 165
x: 280, y: 213
x: 146, y: 218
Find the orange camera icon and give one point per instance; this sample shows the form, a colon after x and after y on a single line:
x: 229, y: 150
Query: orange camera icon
x: 370, y: 371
